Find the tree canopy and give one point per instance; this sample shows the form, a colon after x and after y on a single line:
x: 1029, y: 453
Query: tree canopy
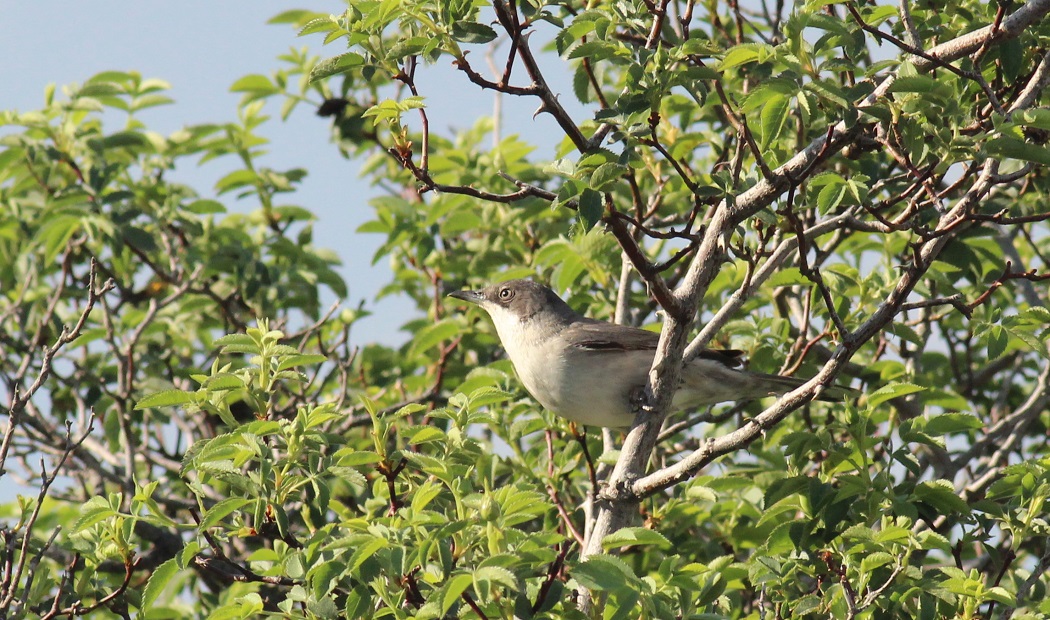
x: 850, y: 192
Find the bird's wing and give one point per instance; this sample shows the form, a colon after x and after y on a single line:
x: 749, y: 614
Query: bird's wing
x: 731, y: 358
x: 594, y: 335
x: 602, y: 336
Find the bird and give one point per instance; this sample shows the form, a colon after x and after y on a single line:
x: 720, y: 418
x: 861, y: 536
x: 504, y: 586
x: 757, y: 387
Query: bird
x: 594, y: 372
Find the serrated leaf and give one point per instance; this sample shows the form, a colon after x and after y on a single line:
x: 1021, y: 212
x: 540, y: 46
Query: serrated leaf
x: 223, y: 381
x: 454, y: 588
x: 348, y: 474
x: 875, y: 560
x: 234, y: 339
x: 946, y: 423
x: 293, y: 16
x: 789, y: 276
x: 433, y: 335
x: 487, y: 395
x: 830, y: 196
x: 425, y: 434
x: 354, y: 458
x: 596, y: 51
x: 323, y: 23
x: 606, y: 175
x: 366, y: 551
x: 1036, y: 117
x: 158, y: 580
x: 603, y: 572
x: 1017, y: 149
x: 942, y: 497
x: 891, y: 391
x: 472, y: 32
x: 496, y: 574
x: 96, y: 510
x: 335, y: 65
x: 591, y: 209
x: 301, y: 360
x: 772, y: 119
x: 221, y: 510
x: 701, y: 493
x: 741, y: 55
x: 167, y: 398
x: 635, y: 536
x: 917, y: 84
x: 1000, y: 595
x: 998, y: 339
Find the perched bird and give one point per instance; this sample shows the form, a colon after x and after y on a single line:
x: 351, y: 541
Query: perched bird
x: 592, y: 371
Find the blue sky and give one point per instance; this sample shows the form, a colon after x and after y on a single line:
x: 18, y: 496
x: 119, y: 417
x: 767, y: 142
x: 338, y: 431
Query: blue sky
x: 201, y: 47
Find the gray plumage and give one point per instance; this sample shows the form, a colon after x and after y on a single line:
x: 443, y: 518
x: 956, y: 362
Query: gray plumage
x: 590, y: 371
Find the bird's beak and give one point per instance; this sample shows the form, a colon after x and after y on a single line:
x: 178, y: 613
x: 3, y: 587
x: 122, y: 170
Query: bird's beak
x: 473, y: 297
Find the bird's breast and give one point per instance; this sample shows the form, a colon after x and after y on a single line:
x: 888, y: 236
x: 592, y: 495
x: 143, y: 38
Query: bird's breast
x: 591, y: 388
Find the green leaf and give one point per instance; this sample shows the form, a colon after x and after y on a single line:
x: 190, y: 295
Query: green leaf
x: 891, y: 391
x: 831, y: 196
x: 1000, y: 595
x: 167, y: 398
x: 745, y: 53
x: 321, y: 23
x: 918, y: 84
x: 99, y: 89
x: 454, y: 588
x: 997, y: 338
x: 221, y: 510
x: 205, y: 207
x: 223, y: 381
x: 56, y: 233
x: 366, y: 551
x: 293, y: 16
x: 1035, y: 117
x: 875, y: 560
x: 635, y: 536
x: 433, y: 335
x: 425, y: 434
x: 125, y: 138
x: 701, y: 493
x: 941, y: 495
x: 946, y: 423
x: 96, y: 510
x: 471, y: 32
x: 603, y: 572
x: 158, y: 580
x: 335, y: 65
x: 607, y: 175
x: 1017, y: 149
x: 789, y: 276
x: 354, y: 458
x: 254, y: 83
x: 236, y: 179
x: 486, y: 576
x: 597, y: 50
x: 301, y: 360
x: 772, y: 119
x: 591, y: 209
x: 234, y: 339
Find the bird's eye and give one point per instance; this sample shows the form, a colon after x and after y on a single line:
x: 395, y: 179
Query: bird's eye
x: 505, y: 294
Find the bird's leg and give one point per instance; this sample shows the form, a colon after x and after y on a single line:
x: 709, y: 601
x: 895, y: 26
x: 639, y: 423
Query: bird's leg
x: 636, y: 398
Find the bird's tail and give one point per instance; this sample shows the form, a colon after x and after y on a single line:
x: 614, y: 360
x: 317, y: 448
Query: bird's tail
x: 774, y: 385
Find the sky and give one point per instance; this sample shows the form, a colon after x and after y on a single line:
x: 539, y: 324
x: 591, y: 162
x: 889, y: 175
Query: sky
x: 201, y: 47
